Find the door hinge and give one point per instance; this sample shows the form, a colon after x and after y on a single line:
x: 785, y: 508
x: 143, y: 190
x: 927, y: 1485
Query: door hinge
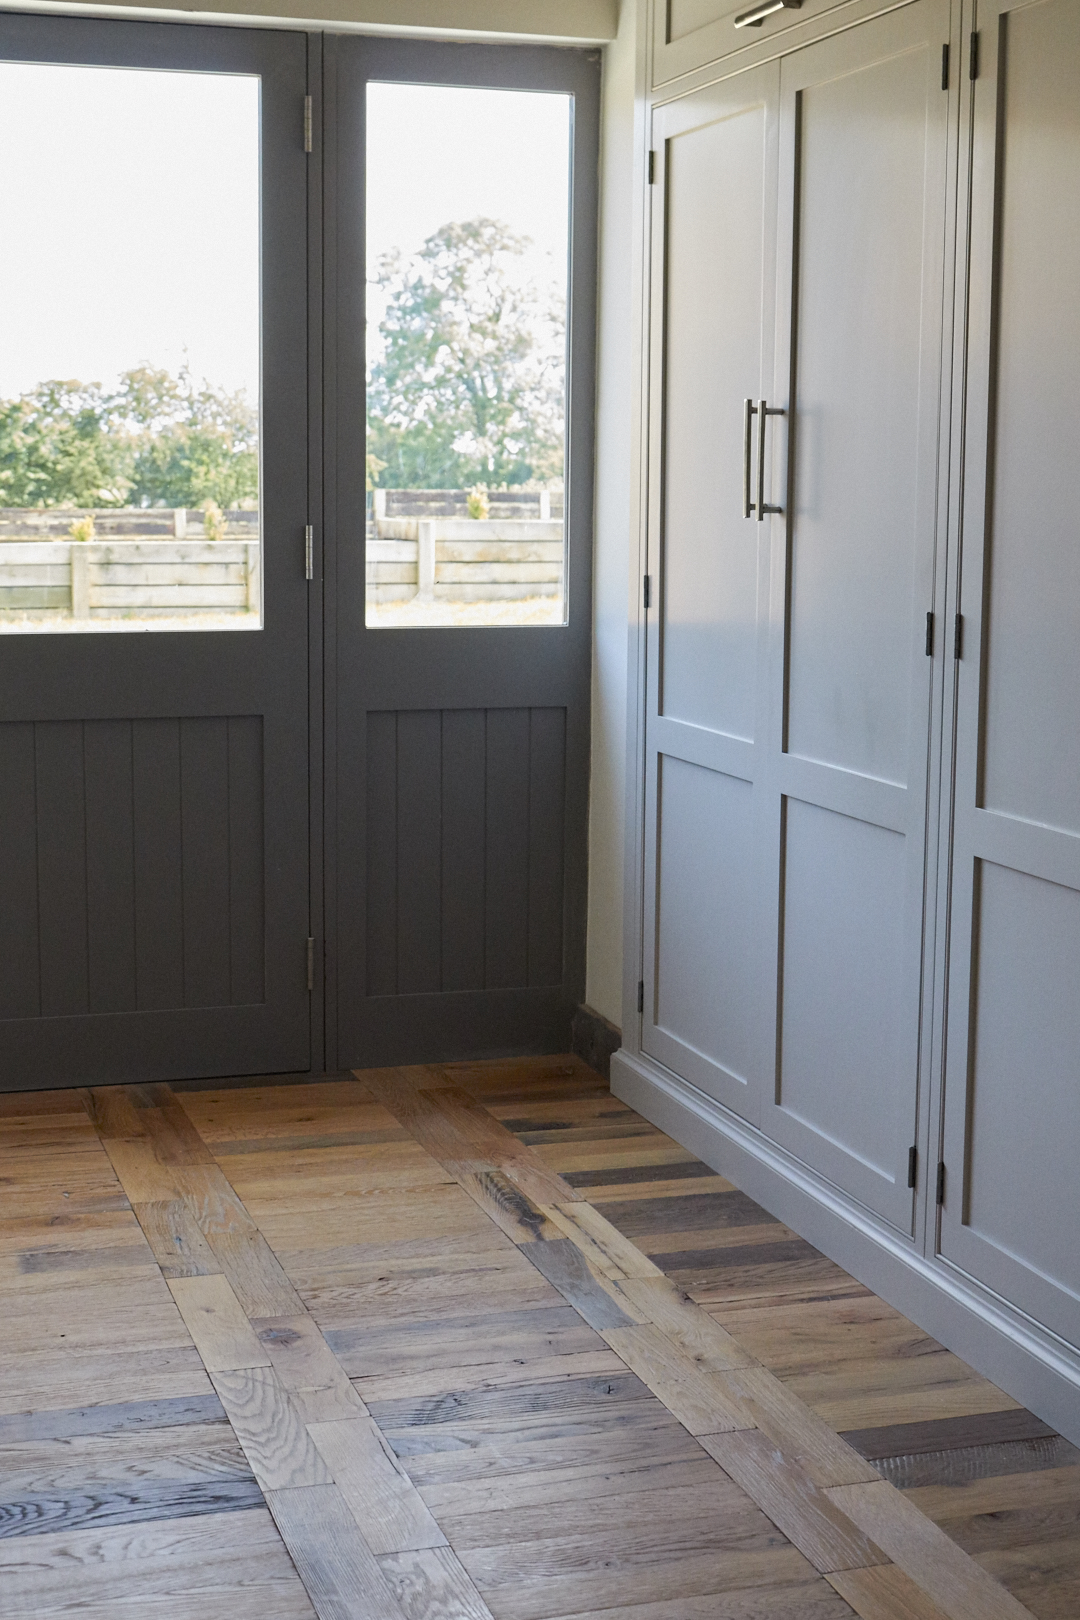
x: 308, y: 123
x: 958, y: 636
x: 941, y: 1182
x: 647, y: 592
x: 641, y: 996
x: 652, y: 168
x: 929, y: 635
x: 310, y: 964
x: 309, y: 551
x: 973, y: 57
x: 944, y: 67
x: 912, y: 1165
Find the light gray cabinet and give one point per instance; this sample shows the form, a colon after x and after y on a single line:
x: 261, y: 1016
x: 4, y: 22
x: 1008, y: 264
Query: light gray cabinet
x: 798, y: 260
x: 1011, y: 1216
x: 861, y: 918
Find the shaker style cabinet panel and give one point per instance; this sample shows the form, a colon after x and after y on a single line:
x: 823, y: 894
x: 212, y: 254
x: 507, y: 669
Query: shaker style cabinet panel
x: 1012, y: 1078
x: 714, y: 230
x: 798, y: 296
x: 864, y: 134
x: 689, y: 34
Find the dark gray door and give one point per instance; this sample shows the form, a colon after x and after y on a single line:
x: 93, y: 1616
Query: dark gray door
x: 457, y: 779
x: 154, y: 868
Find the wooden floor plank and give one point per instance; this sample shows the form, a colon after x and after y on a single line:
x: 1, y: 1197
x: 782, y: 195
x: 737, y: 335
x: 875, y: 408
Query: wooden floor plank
x: 589, y: 1292
x: 382, y: 1498
x: 218, y: 1324
x: 307, y: 1366
x: 819, y: 1529
x: 884, y: 1592
x: 177, y: 1244
x: 695, y: 1396
x: 341, y: 1575
x: 958, y: 1585
x: 271, y: 1429
x: 432, y: 1584
x: 686, y: 1324
x: 230, y: 1564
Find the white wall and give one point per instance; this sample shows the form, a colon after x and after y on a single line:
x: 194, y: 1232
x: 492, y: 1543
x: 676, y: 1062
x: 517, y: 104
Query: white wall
x: 615, y: 507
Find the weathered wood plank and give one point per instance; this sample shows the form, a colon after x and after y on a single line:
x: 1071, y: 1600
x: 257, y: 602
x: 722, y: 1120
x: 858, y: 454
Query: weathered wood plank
x: 339, y: 1572
x: 432, y: 1584
x: 383, y: 1500
x: 957, y: 1584
x: 270, y: 1428
x: 820, y: 1530
x: 567, y: 1269
x: 696, y: 1397
x: 216, y: 1321
x: 884, y: 1592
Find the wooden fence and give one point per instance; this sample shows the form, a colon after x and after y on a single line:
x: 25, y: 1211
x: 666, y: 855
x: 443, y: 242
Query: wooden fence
x: 128, y: 579
x: 464, y: 560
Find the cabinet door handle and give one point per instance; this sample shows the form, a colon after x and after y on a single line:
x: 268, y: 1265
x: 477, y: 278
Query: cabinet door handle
x: 749, y: 410
x: 764, y: 410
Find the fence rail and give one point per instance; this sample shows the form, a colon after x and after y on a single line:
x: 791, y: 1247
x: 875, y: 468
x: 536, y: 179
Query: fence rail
x: 464, y: 560
x: 128, y: 579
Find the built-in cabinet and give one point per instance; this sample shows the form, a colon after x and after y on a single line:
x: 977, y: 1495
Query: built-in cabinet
x: 860, y: 922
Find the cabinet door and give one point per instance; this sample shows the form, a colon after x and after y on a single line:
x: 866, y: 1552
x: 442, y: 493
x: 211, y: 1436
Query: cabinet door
x: 864, y: 131
x: 689, y: 34
x: 714, y: 212
x: 1012, y: 1079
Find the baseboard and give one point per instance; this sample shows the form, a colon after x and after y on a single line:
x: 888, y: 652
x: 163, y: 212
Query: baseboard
x: 1024, y: 1360
x: 595, y: 1039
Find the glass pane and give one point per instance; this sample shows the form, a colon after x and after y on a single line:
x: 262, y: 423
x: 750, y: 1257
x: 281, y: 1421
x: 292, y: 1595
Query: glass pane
x: 468, y: 205
x: 129, y: 350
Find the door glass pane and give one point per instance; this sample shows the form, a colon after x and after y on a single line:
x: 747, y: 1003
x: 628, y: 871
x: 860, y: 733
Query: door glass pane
x: 129, y: 350
x: 468, y: 201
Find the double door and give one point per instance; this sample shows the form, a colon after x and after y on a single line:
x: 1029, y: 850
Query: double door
x: 799, y: 290
x: 862, y: 919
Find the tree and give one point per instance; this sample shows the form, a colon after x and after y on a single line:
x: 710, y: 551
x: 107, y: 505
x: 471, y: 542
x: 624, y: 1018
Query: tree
x: 470, y: 384
x: 157, y: 440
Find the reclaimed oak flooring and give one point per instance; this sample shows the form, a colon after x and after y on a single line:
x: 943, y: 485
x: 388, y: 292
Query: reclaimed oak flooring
x: 472, y: 1342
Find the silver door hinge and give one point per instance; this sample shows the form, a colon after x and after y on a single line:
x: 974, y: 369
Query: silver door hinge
x: 308, y: 118
x: 310, y: 965
x: 309, y: 552
x: 652, y: 168
x: 641, y: 996
x: 941, y: 1182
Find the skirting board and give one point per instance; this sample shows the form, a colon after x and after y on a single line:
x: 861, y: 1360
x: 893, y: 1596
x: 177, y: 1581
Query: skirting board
x: 1023, y: 1359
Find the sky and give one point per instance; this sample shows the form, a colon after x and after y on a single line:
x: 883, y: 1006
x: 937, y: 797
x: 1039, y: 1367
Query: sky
x: 130, y: 208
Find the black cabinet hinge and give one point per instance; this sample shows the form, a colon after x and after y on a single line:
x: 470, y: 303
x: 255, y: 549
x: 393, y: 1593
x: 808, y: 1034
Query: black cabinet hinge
x: 652, y: 168
x: 647, y: 592
x: 941, y: 1183
x: 958, y: 636
x: 912, y: 1165
x: 973, y: 57
x: 929, y: 635
x: 944, y: 67
x: 310, y: 964
x: 641, y: 996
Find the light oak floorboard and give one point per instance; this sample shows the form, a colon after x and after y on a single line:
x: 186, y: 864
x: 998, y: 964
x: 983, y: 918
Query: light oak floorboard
x: 959, y: 1586
x: 793, y: 1502
x: 216, y: 1321
x: 271, y: 1429
x: 884, y: 1592
x: 431, y: 1584
x: 383, y: 1500
x: 340, y: 1573
x: 693, y: 1395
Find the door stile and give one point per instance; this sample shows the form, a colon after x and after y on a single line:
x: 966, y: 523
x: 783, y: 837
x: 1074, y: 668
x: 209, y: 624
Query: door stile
x: 316, y: 605
x: 867, y: 796
x: 709, y: 753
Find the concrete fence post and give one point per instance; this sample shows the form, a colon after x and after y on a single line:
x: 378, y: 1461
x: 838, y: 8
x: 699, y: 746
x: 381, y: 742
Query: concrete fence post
x: 78, y: 552
x: 179, y: 519
x: 425, y: 559
x: 545, y: 506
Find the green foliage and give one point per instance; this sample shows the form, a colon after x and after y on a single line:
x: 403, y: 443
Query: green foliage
x: 469, y: 388
x: 157, y: 440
